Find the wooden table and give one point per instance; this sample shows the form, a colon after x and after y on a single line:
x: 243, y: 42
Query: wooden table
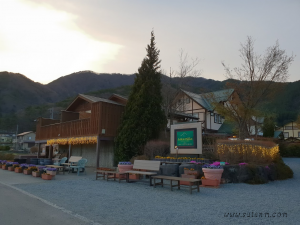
x: 57, y: 167
x: 110, y: 175
x: 191, y: 181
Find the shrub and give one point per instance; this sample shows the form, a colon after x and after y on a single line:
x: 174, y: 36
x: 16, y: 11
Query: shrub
x: 256, y: 152
x: 289, y: 150
x: 283, y: 171
x: 34, y: 150
x: 4, y: 148
x: 5, y: 156
x: 256, y: 179
x: 156, y: 147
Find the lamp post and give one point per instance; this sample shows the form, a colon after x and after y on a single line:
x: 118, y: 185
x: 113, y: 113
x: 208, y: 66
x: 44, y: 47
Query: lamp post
x: 176, y: 152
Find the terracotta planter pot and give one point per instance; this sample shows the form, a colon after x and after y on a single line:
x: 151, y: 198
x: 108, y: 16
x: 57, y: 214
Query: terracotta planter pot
x: 134, y: 176
x: 213, y: 174
x: 124, y: 168
x: 187, y: 176
x: 193, y: 172
x: 208, y: 182
x: 47, y: 176
x: 36, y: 174
x: 53, y: 173
x: 3, y: 167
x: 18, y: 170
x: 10, y: 168
x: 27, y: 172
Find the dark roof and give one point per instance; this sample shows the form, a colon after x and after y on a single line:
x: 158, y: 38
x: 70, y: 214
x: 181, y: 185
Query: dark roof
x: 227, y: 127
x: 181, y: 114
x: 93, y: 99
x: 121, y: 96
x: 206, y: 99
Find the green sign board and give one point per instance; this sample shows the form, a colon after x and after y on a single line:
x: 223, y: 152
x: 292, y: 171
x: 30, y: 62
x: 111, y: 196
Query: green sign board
x: 186, y: 138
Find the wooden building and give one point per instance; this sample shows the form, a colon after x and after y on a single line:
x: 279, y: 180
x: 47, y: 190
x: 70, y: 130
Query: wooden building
x: 87, y: 128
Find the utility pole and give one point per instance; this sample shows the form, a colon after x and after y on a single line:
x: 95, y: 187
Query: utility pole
x: 17, y: 136
x: 51, y: 113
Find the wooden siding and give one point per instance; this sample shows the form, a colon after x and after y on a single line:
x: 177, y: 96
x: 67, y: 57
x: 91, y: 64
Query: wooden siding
x: 103, y: 116
x: 69, y: 116
x: 80, y: 105
x: 110, y: 119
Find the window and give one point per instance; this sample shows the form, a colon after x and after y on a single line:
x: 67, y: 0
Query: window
x: 288, y: 128
x: 286, y: 134
x: 220, y: 118
x: 29, y: 138
x: 216, y: 118
x: 187, y: 100
x: 298, y: 134
x: 196, y: 115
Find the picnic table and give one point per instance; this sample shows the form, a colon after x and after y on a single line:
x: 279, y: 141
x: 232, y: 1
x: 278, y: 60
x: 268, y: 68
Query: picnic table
x: 72, y: 161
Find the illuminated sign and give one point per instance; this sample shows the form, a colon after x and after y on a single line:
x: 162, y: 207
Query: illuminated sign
x: 185, y: 138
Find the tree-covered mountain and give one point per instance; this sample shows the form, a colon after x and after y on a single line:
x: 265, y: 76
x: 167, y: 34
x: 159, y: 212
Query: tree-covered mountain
x: 22, y: 100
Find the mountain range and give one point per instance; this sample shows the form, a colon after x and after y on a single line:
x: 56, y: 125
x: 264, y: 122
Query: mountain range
x: 17, y: 92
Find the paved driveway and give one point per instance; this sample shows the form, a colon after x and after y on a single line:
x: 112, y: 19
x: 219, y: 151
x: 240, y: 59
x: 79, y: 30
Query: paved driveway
x: 19, y: 208
x: 137, y: 203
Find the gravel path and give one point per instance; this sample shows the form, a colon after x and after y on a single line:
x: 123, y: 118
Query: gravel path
x: 138, y: 203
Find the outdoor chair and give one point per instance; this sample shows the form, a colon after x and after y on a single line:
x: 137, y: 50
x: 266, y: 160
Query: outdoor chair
x: 80, y: 165
x: 63, y: 160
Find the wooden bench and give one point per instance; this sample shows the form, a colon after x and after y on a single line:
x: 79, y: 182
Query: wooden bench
x: 142, y: 167
x: 57, y: 167
x: 191, y: 181
x: 110, y: 175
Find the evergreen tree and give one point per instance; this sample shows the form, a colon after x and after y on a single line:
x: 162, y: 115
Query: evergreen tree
x: 143, y: 118
x: 268, y: 127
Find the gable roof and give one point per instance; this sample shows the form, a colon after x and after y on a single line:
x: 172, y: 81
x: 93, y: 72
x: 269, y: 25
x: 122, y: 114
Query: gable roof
x: 92, y: 99
x: 206, y: 99
x: 120, y: 96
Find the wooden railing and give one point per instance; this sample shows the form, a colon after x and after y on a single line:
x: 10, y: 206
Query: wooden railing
x: 75, y: 128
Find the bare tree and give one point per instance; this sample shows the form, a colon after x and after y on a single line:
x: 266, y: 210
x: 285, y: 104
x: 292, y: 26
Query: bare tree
x: 187, y: 70
x: 253, y: 82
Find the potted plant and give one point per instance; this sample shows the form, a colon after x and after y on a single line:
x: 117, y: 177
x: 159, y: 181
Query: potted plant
x: 191, y: 171
x: 51, y: 171
x: 46, y: 176
x: 18, y: 169
x: 27, y: 171
x: 10, y: 166
x: 3, y: 164
x: 212, y: 172
x: 35, y: 172
x: 125, y: 166
x: 41, y: 168
x: 209, y: 182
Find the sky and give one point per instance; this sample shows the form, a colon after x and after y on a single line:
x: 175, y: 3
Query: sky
x: 47, y: 39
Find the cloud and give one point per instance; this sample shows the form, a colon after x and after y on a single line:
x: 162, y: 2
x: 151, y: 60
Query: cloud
x: 43, y: 43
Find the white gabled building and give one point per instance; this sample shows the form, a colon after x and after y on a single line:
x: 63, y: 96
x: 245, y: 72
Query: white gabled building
x: 200, y: 107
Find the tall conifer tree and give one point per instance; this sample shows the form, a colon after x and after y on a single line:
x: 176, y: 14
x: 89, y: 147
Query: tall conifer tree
x: 143, y: 118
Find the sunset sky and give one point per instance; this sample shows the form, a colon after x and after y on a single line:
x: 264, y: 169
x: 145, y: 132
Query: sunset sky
x: 51, y: 38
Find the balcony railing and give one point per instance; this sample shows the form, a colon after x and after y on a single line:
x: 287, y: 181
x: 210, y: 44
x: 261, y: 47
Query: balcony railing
x: 75, y: 128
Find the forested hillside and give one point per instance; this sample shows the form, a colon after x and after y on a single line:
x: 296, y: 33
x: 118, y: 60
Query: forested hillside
x: 23, y: 100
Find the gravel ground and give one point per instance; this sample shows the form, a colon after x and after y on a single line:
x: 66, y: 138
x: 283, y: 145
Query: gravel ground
x: 138, y: 203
